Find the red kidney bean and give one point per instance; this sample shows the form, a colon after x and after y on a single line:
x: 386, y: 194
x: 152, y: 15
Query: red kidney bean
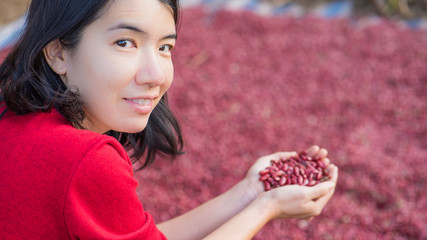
x: 282, y: 181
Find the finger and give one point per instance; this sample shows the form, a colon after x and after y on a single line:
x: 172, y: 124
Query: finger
x: 334, y: 177
x: 326, y: 161
x: 322, y: 153
x: 318, y: 204
x: 324, y: 191
x: 333, y: 172
x: 323, y: 200
x: 312, y: 151
x: 315, y: 206
x: 320, y: 190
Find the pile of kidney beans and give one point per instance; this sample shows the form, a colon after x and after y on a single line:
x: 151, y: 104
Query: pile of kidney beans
x: 246, y: 86
x: 301, y: 169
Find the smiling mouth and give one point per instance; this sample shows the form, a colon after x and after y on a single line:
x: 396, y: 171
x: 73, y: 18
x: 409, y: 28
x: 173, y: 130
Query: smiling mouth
x: 141, y: 105
x: 142, y: 102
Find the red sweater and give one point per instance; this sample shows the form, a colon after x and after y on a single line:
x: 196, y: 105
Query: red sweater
x: 57, y: 182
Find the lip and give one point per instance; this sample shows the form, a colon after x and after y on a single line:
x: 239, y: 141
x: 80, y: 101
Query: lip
x: 150, y: 97
x: 144, y: 109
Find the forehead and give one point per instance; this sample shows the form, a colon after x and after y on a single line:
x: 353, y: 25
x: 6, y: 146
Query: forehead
x: 144, y: 13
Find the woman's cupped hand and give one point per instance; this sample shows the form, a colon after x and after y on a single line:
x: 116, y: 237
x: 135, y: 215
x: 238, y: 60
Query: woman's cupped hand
x: 294, y: 201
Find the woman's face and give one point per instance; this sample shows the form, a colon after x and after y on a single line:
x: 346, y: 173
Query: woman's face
x: 122, y: 65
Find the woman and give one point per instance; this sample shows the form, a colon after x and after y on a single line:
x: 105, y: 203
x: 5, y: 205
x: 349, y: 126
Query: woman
x: 87, y: 80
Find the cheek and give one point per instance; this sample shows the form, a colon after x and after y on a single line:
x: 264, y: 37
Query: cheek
x: 169, y: 73
x: 99, y: 66
x: 112, y: 66
x: 108, y: 74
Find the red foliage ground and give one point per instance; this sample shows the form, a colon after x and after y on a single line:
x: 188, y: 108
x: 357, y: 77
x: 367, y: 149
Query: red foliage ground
x: 247, y: 86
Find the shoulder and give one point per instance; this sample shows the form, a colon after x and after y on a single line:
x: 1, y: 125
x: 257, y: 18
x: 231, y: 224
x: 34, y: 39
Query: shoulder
x: 101, y: 200
x: 83, y: 143
x: 51, y: 136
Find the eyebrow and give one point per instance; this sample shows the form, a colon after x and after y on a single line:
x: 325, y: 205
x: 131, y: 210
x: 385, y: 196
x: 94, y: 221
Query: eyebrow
x: 137, y: 30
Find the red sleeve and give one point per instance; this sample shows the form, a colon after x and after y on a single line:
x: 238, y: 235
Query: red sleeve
x: 101, y: 201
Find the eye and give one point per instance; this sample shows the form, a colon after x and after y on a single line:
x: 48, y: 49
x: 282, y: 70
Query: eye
x: 125, y: 43
x: 166, y: 48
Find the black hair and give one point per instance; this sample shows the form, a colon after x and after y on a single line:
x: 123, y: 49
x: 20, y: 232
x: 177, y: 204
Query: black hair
x: 28, y: 84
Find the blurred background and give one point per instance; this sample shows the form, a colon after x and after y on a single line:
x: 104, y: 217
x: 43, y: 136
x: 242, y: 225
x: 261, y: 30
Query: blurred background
x: 255, y: 77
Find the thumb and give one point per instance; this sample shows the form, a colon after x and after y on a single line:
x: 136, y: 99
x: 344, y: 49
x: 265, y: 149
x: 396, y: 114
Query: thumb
x: 320, y: 190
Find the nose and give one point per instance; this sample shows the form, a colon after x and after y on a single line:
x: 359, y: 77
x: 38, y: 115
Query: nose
x: 150, y: 69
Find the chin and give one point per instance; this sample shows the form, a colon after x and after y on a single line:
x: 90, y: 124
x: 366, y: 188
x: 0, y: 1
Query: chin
x: 134, y: 129
x: 132, y: 125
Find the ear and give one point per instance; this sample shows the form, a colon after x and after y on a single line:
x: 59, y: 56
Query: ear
x: 54, y: 54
